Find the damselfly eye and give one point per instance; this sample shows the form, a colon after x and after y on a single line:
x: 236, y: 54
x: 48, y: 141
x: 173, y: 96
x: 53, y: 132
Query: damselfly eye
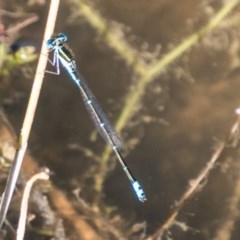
x: 50, y: 43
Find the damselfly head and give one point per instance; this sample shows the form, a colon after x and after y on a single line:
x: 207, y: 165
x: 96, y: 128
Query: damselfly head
x: 56, y: 40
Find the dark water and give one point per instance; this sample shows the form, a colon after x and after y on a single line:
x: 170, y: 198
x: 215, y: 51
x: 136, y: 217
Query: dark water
x: 198, y: 101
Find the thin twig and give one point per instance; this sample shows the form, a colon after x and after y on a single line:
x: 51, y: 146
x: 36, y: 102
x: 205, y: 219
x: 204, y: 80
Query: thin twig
x: 27, y: 123
x: 31, y: 19
x: 44, y: 175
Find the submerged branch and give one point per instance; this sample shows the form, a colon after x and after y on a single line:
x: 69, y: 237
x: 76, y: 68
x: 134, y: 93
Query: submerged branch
x: 195, y: 184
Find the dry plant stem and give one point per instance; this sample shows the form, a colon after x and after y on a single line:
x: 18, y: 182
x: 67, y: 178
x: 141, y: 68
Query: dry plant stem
x: 27, y: 123
x: 145, y: 73
x: 195, y: 183
x: 24, y: 204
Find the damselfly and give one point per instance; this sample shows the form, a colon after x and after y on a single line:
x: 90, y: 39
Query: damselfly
x: 62, y: 54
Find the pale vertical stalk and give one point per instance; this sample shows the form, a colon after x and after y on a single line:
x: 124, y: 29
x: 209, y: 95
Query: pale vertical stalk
x: 24, y: 205
x: 27, y: 123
